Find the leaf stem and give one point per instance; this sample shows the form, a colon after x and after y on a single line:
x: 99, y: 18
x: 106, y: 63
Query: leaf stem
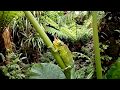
x: 96, y: 45
x: 45, y: 38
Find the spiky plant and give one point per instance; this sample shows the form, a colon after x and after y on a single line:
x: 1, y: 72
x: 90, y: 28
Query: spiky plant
x: 26, y: 40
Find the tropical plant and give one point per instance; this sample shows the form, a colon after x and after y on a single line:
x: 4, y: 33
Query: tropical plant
x: 45, y: 38
x: 85, y: 72
x: 6, y: 17
x: 84, y: 66
x: 114, y: 71
x: 45, y: 71
x: 14, y: 69
x: 65, y: 26
x: 26, y: 40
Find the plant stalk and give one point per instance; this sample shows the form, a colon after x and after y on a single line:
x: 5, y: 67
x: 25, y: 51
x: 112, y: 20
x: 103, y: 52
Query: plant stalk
x: 45, y: 38
x: 96, y: 45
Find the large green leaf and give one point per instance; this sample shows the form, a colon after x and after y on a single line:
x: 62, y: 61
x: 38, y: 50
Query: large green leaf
x: 114, y: 71
x: 45, y: 71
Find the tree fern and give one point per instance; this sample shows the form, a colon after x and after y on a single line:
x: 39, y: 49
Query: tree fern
x: 63, y: 30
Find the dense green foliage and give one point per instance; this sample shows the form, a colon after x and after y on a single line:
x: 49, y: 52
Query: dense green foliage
x: 33, y: 59
x: 15, y: 68
x: 7, y: 16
